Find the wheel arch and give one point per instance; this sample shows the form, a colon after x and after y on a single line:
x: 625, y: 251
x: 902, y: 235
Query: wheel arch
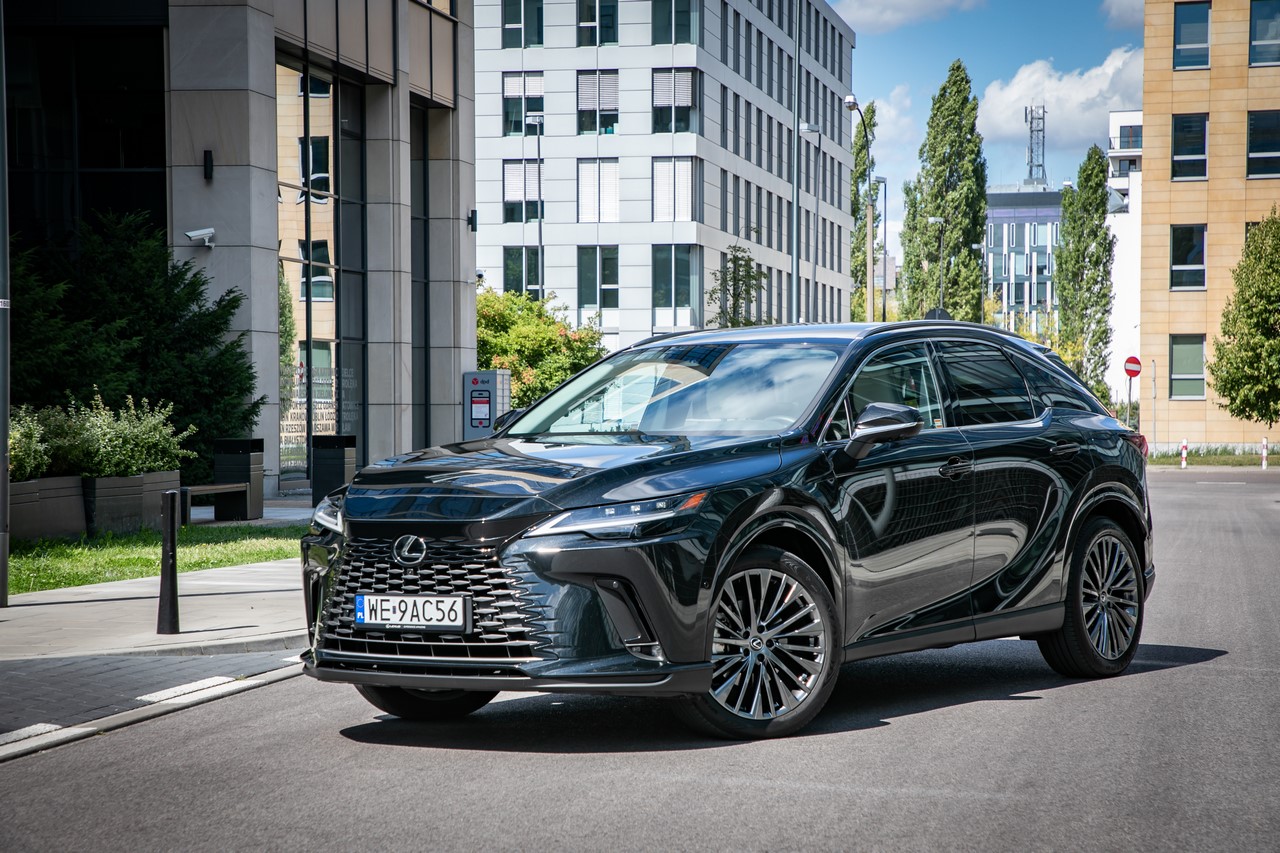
x: 1122, y: 509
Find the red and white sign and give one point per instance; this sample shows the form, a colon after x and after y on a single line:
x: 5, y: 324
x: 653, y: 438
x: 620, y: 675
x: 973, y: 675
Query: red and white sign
x: 1133, y: 365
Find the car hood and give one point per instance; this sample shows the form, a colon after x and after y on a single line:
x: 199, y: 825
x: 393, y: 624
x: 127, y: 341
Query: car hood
x: 506, y: 477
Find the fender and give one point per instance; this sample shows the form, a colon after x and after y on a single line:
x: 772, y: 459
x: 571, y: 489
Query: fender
x: 1110, y: 491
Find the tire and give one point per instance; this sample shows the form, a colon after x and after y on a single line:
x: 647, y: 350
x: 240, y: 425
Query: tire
x: 771, y: 682
x: 426, y: 705
x: 1104, y: 607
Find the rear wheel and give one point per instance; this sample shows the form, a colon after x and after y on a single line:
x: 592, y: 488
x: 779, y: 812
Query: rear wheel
x: 773, y: 649
x: 1100, y: 632
x: 413, y: 704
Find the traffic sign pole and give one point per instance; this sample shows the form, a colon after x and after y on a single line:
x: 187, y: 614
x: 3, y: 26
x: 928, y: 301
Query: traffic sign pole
x: 1132, y: 368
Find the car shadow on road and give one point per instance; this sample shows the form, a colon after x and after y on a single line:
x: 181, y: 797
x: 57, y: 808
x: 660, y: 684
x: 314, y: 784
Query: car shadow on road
x: 868, y: 695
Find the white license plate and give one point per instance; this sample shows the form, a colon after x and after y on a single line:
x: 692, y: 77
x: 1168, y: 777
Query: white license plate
x: 423, y: 612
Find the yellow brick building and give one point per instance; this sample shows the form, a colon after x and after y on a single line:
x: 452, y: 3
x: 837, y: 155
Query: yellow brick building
x: 1211, y: 106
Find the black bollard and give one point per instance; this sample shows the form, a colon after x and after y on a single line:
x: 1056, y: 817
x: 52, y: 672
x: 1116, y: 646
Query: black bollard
x: 167, y: 623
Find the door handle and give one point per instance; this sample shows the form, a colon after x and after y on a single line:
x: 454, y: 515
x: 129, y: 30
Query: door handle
x: 1065, y: 449
x: 955, y: 468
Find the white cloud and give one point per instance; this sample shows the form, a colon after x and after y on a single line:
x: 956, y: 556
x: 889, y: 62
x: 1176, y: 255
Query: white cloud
x: 881, y: 16
x: 1123, y: 14
x: 1077, y: 102
x: 896, y: 130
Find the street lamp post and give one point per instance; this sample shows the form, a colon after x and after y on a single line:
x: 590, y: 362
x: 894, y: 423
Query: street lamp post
x: 851, y: 104
x: 539, y: 119
x: 937, y: 220
x: 811, y: 307
x: 986, y: 286
x: 884, y: 249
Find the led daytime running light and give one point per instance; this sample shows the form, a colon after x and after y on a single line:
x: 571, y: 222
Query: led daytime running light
x: 619, y: 517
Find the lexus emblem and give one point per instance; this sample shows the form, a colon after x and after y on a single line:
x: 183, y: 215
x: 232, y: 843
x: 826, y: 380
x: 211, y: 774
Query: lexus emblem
x: 409, y: 550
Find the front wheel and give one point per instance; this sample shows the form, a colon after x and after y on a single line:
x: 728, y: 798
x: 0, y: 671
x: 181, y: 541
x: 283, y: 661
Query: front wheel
x: 1105, y: 604
x: 774, y: 649
x: 412, y: 704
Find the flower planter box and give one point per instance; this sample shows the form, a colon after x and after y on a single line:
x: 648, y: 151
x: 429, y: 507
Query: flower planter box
x: 154, y: 485
x: 47, y: 508
x: 113, y: 504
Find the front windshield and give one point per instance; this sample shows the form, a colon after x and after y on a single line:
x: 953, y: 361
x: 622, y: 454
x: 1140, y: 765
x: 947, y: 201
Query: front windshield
x: 708, y: 389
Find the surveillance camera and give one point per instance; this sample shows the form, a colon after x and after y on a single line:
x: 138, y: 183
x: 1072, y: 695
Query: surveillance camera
x: 479, y: 275
x: 205, y: 234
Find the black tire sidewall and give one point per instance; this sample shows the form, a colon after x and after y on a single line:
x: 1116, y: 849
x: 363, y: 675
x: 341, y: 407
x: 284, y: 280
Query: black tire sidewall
x: 1075, y: 622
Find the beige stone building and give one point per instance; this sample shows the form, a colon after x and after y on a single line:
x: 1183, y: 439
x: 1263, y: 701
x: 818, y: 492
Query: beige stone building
x: 1211, y: 162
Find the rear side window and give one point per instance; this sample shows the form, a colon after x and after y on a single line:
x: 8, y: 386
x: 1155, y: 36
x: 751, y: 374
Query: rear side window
x: 1050, y: 389
x: 988, y: 388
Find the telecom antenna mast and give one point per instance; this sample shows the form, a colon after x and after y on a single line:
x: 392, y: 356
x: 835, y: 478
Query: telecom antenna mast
x: 1034, y: 117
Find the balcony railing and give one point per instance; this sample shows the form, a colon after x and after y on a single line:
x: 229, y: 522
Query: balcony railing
x: 1126, y: 143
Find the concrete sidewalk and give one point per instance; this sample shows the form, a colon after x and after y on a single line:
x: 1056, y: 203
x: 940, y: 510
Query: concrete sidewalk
x: 250, y: 608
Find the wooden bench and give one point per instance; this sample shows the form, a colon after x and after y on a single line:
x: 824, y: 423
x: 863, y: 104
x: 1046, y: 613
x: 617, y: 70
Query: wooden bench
x: 211, y: 489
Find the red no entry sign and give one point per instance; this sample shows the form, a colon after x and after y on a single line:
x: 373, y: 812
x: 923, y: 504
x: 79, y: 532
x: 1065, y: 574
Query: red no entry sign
x: 1133, y: 365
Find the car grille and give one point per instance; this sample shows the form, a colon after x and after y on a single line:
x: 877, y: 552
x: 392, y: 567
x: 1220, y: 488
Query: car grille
x: 506, y: 622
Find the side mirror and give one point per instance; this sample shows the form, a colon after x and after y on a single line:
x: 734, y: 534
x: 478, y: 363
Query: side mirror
x: 501, y: 422
x: 881, y: 422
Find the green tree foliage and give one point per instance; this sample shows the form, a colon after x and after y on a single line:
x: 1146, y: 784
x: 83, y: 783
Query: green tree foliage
x: 288, y: 342
x: 1082, y: 274
x: 1245, y: 369
x: 533, y: 340
x: 863, y: 164
x: 140, y: 324
x: 737, y: 286
x: 951, y: 184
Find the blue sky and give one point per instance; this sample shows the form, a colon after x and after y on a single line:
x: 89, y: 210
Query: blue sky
x: 1079, y: 58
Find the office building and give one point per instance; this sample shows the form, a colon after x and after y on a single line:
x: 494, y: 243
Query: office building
x: 327, y: 145
x: 1211, y: 166
x: 622, y: 148
x: 1022, y: 235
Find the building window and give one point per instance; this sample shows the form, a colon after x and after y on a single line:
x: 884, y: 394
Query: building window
x: 675, y: 100
x: 1186, y: 372
x: 520, y: 270
x: 1186, y: 257
x: 675, y: 21
x: 521, y: 190
x: 597, y: 277
x: 597, y: 22
x: 597, y: 101
x: 1190, y: 35
x: 521, y: 94
x: 315, y: 168
x: 521, y: 23
x: 1264, y: 144
x: 597, y: 190
x: 317, y: 271
x: 673, y: 182
x: 1189, y: 134
x: 1264, y: 32
x: 1131, y: 135
x: 319, y: 367
x: 673, y: 283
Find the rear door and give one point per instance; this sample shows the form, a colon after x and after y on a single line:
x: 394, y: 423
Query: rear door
x: 905, y: 511
x: 1027, y: 462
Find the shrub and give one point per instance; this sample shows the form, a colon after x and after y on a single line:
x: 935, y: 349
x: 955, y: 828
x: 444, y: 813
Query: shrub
x: 28, y: 454
x: 93, y: 441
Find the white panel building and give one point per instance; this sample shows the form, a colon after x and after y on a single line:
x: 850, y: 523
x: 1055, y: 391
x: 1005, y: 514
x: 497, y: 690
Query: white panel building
x: 623, y: 147
x: 1124, y: 178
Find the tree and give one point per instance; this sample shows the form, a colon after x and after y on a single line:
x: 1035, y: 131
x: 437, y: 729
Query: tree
x: 863, y: 164
x: 288, y: 341
x: 1245, y: 369
x: 737, y: 286
x: 1082, y: 275
x: 143, y: 326
x: 533, y: 340
x: 951, y: 185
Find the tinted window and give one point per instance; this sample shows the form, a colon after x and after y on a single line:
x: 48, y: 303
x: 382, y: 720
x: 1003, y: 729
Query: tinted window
x: 900, y: 375
x: 1048, y: 389
x: 989, y: 389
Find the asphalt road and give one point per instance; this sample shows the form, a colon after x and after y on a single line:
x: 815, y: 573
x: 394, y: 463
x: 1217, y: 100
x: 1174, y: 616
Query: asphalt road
x: 973, y: 748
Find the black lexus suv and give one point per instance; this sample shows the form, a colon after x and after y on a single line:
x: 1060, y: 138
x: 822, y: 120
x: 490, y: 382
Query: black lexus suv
x: 725, y: 517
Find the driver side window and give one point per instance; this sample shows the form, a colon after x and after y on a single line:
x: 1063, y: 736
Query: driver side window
x: 901, y: 375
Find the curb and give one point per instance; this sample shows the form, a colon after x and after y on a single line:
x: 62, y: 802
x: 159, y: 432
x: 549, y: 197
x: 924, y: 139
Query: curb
x: 281, y: 642
x: 40, y: 741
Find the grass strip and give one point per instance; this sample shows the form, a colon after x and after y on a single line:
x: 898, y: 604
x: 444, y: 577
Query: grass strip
x: 54, y: 564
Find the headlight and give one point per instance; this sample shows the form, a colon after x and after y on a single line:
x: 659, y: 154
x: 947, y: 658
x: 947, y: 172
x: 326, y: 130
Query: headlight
x: 328, y: 513
x: 626, y: 520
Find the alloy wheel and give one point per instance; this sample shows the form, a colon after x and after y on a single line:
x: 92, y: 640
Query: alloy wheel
x: 769, y: 645
x: 1109, y: 595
